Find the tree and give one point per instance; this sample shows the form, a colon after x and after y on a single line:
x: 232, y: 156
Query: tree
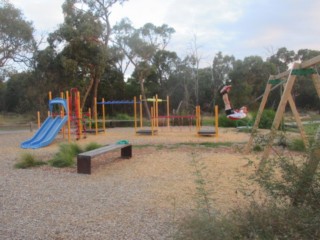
x: 140, y: 46
x: 84, y: 55
x: 16, y: 36
x: 221, y: 68
x: 102, y: 10
x: 249, y: 79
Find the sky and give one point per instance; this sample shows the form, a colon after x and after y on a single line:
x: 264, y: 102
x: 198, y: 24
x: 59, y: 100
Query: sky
x: 241, y: 28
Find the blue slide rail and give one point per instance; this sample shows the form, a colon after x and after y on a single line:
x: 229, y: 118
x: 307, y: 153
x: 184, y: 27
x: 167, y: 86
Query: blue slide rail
x: 46, y: 133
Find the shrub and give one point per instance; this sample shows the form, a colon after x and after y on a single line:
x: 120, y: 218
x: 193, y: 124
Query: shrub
x: 297, y: 145
x: 281, y: 216
x: 28, y: 160
x: 123, y: 116
x: 226, y: 122
x: 65, y: 156
x: 92, y: 146
x: 267, y: 118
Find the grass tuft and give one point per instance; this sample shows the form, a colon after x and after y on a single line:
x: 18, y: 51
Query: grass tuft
x: 297, y: 145
x: 28, y: 161
x: 65, y: 156
x: 92, y: 146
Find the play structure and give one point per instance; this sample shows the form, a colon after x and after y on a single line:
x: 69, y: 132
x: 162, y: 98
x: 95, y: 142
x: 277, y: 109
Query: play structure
x: 205, y: 131
x: 154, y: 110
x: 287, y: 79
x: 50, y: 127
x: 61, y: 111
x: 67, y: 110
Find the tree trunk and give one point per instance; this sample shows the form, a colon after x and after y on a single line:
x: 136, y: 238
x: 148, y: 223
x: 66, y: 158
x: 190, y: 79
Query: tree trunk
x: 96, y: 82
x: 87, y: 92
x: 144, y: 98
x: 186, y: 97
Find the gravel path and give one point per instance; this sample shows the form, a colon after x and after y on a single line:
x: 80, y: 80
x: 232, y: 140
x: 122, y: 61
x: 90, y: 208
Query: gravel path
x: 140, y: 198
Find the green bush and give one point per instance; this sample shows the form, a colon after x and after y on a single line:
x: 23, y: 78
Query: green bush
x: 297, y: 145
x: 67, y: 153
x: 28, y: 160
x: 287, y: 213
x: 226, y: 122
x: 123, y: 116
x: 65, y: 156
x: 267, y: 118
x: 92, y: 146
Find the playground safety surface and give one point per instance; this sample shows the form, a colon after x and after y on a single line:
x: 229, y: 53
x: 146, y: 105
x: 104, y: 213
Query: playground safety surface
x: 140, y: 198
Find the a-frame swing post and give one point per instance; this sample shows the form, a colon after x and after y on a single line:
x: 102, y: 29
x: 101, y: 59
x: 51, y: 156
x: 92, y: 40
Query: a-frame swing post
x: 316, y: 82
x: 259, y: 114
x: 273, y: 82
x: 298, y: 121
x: 279, y: 114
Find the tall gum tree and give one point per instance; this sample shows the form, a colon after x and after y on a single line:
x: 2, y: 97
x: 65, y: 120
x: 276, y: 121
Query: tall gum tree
x: 83, y: 55
x: 140, y: 46
x: 16, y: 36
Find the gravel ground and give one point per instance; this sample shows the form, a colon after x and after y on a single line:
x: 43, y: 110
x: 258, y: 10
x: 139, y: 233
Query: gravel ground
x: 140, y: 198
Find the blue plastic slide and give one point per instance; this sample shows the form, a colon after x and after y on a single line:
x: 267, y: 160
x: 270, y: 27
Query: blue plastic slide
x: 46, y: 133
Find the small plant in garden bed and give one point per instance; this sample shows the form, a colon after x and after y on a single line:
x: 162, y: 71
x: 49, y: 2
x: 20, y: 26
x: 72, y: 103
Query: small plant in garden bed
x: 28, y: 161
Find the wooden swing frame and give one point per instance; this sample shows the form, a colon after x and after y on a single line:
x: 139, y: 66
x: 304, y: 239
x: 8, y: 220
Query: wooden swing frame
x: 306, y: 69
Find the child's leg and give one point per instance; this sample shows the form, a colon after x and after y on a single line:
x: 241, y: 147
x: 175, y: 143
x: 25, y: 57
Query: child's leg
x: 227, y: 105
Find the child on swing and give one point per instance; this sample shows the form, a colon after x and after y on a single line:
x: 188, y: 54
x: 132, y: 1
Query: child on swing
x: 230, y: 112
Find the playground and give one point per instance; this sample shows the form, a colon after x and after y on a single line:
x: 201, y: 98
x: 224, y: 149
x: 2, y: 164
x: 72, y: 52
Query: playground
x: 145, y: 196
x: 137, y: 198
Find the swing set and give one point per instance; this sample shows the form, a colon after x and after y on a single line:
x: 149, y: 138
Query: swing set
x: 274, y: 81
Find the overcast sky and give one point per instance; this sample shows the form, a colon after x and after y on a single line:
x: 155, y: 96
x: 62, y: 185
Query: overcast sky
x: 235, y: 27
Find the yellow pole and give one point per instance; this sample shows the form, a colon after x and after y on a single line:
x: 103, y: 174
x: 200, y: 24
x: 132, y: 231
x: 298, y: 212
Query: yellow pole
x: 38, y: 116
x: 103, y: 116
x: 152, y: 112
x: 168, y: 112
x: 135, y: 112
x: 79, y: 115
x: 216, y: 120
x: 96, y: 115
x: 157, y: 112
x: 62, y: 115
x: 196, y: 118
x: 69, y: 125
x: 141, y: 112
x: 50, y: 98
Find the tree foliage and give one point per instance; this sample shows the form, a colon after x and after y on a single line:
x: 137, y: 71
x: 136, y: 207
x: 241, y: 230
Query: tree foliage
x: 88, y: 53
x: 16, y: 36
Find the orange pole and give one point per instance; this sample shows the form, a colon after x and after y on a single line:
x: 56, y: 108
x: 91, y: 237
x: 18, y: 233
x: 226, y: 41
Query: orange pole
x: 62, y: 115
x: 103, y: 116
x: 90, y: 118
x: 141, y: 112
x: 157, y: 112
x: 152, y: 123
x: 78, y: 114
x: 168, y: 112
x: 135, y: 112
x: 153, y: 119
x: 38, y: 116
x: 50, y: 98
x: 96, y: 114
x: 68, y: 109
x: 216, y: 120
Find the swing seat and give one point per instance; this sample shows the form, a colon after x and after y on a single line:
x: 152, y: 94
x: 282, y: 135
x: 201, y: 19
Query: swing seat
x: 238, y: 114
